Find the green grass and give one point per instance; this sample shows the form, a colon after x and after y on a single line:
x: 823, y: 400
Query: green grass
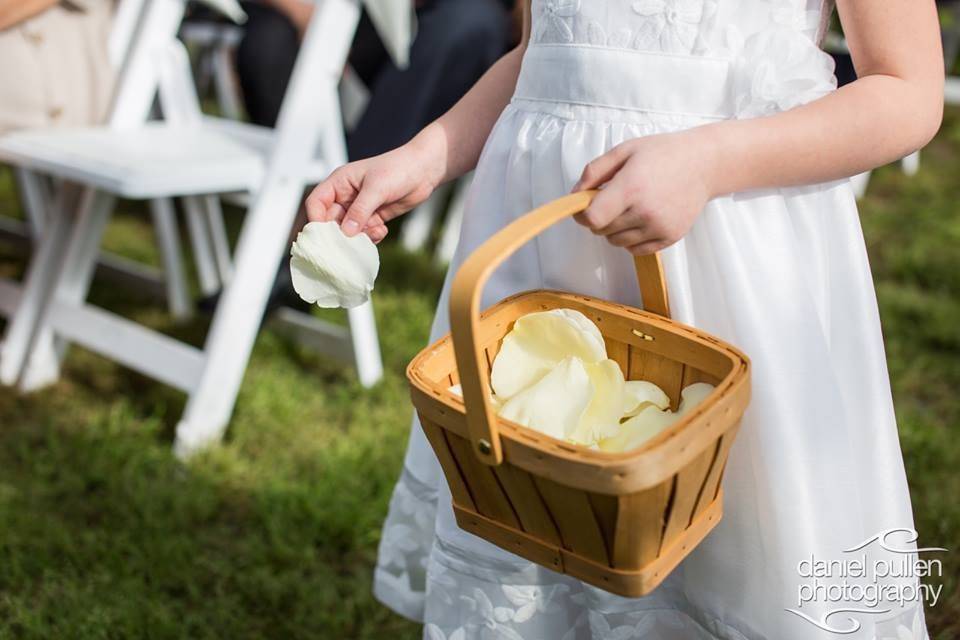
x: 273, y: 535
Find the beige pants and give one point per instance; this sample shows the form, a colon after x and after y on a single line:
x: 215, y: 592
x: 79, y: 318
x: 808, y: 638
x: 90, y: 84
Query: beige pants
x: 54, y: 68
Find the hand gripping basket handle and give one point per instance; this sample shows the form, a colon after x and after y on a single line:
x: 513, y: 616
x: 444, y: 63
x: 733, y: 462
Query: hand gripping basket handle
x: 465, y: 311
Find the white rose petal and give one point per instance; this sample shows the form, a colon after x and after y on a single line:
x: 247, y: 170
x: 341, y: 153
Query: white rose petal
x: 554, y: 404
x: 651, y: 420
x: 693, y: 395
x: 537, y: 342
x: 602, y: 416
x: 640, y: 394
x: 332, y: 270
x: 638, y: 429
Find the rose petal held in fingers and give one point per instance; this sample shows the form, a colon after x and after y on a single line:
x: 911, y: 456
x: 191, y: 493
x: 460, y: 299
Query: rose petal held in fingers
x: 330, y: 269
x: 555, y: 404
x: 537, y: 342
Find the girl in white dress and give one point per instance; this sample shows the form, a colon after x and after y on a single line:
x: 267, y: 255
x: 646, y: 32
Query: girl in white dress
x: 716, y: 127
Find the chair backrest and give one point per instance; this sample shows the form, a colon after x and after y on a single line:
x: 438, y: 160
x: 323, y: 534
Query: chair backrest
x: 310, y: 114
x: 125, y: 21
x: 310, y: 119
x: 145, y: 46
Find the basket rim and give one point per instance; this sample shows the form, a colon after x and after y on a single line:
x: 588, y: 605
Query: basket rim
x: 731, y: 384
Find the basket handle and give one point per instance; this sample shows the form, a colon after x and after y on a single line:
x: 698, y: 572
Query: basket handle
x: 465, y: 311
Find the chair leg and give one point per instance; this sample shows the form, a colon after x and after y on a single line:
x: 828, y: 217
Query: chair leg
x: 450, y: 236
x: 218, y: 236
x: 168, y: 237
x: 236, y: 320
x: 225, y: 82
x: 40, y: 277
x: 35, y: 194
x: 31, y: 353
x: 911, y: 164
x: 200, y: 241
x: 417, y: 224
x: 366, y: 346
x: 860, y: 183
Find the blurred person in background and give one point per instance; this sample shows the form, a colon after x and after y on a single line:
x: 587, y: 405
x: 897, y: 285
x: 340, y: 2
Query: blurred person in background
x: 456, y: 42
x: 54, y: 69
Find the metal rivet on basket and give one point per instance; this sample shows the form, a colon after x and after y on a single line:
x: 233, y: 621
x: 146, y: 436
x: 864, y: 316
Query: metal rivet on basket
x: 645, y: 336
x: 484, y: 447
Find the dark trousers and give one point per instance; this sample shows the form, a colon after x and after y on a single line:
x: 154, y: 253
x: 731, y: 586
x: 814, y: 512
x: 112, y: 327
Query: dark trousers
x: 456, y: 42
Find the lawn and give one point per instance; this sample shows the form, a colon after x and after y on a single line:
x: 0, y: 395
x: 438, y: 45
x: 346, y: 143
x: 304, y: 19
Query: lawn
x: 103, y: 534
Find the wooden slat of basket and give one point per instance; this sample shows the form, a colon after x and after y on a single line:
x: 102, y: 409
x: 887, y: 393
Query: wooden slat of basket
x: 640, y: 582
x: 640, y: 526
x: 692, y: 376
x: 690, y: 481
x: 685, y: 345
x: 488, y: 495
x: 711, y: 487
x: 661, y: 371
x: 518, y: 542
x: 438, y: 440
x: 606, y: 509
x: 678, y: 342
x: 619, y: 353
x: 625, y: 582
x: 528, y: 504
x: 571, y: 510
x: 491, y: 354
x: 586, y: 469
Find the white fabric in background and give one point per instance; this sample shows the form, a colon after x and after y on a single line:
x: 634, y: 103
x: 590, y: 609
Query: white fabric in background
x: 781, y: 273
x: 395, y: 21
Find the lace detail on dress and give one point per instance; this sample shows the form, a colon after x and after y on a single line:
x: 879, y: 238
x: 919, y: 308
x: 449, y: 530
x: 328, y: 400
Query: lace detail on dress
x: 401, y: 572
x: 772, y: 44
x: 897, y: 629
x: 669, y: 26
x: 779, y: 66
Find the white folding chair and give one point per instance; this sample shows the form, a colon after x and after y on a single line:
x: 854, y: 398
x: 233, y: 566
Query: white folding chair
x: 215, y: 44
x: 190, y: 155
x: 419, y: 223
x: 170, y: 282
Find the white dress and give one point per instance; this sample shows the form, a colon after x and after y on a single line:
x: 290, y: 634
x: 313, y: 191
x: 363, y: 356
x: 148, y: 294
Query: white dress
x: 781, y: 273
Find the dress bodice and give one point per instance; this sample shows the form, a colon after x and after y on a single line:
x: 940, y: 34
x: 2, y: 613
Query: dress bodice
x: 772, y: 45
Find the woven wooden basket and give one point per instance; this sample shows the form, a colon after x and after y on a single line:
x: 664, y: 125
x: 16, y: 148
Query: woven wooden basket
x: 619, y: 521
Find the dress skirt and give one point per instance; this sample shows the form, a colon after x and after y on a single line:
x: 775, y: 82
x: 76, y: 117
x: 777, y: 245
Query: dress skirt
x: 783, y: 275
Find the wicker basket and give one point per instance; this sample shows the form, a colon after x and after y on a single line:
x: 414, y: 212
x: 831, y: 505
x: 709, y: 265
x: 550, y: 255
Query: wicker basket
x: 619, y: 521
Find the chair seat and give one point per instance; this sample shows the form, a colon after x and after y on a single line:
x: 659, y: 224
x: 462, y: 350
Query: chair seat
x: 152, y: 161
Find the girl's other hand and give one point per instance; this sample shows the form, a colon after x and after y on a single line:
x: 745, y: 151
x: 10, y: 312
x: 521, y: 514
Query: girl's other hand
x: 364, y: 195
x: 655, y: 187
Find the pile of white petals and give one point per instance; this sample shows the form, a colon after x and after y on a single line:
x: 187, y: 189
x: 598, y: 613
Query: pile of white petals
x: 552, y: 374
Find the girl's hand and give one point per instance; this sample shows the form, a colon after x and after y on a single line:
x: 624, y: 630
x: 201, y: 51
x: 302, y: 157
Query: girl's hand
x: 656, y: 187
x: 364, y: 195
